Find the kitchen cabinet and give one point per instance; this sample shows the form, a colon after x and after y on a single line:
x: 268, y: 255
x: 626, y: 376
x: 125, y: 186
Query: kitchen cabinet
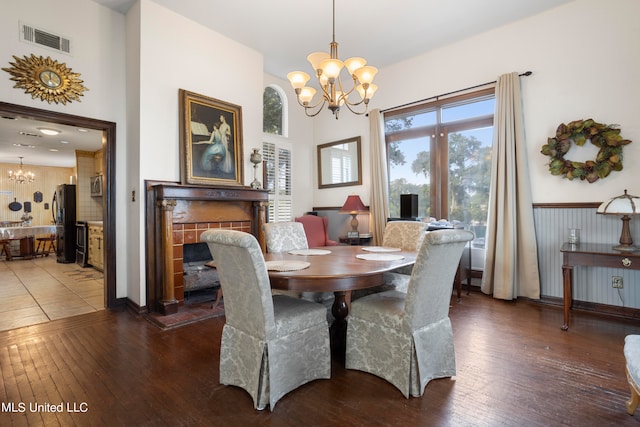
x: 98, y: 158
x: 96, y: 245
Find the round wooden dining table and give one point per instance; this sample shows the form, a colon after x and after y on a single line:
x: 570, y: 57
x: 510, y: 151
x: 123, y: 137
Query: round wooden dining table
x: 340, y: 270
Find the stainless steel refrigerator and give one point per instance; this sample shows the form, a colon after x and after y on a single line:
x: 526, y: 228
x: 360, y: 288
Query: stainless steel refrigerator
x: 63, y: 208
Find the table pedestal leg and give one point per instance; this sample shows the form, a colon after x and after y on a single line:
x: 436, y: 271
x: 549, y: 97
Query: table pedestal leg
x: 26, y: 247
x: 338, y: 329
x: 567, y: 281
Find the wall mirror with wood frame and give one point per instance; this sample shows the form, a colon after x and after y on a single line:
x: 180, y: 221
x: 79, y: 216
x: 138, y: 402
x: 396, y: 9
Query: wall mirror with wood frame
x: 340, y: 163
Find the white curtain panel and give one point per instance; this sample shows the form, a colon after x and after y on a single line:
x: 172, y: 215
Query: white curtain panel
x: 379, y: 202
x: 511, y: 263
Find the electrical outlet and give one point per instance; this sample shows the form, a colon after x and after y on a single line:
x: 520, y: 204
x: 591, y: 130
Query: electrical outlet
x: 616, y: 282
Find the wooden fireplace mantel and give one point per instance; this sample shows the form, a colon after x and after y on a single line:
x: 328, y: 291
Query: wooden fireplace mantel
x: 177, y: 214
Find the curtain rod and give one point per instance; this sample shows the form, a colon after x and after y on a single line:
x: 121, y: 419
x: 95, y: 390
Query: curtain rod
x: 526, y: 73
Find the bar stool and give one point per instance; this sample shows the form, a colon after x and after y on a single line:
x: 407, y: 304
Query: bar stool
x: 6, y: 249
x: 42, y: 248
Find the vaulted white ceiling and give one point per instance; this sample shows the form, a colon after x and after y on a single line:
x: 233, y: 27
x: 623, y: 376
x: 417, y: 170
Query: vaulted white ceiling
x: 384, y: 32
x: 286, y: 31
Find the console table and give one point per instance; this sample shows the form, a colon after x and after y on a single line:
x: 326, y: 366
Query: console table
x: 595, y: 255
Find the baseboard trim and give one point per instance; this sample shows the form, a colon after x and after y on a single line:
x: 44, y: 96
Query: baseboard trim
x: 591, y: 307
x: 610, y: 310
x: 133, y: 307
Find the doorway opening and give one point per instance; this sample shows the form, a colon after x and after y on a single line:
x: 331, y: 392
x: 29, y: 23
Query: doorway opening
x: 109, y: 203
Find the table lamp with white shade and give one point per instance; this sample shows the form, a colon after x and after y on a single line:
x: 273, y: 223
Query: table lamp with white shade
x: 624, y: 205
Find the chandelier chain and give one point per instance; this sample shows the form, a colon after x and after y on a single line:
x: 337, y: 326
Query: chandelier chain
x: 327, y: 68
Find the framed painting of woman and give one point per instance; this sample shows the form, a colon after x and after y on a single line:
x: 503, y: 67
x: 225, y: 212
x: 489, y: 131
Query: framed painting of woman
x: 210, y: 141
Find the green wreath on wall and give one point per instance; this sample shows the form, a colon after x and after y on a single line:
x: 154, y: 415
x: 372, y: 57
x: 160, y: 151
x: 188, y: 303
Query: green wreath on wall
x: 606, y: 137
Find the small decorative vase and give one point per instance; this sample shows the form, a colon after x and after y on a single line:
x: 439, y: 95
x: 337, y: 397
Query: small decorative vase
x: 256, y: 159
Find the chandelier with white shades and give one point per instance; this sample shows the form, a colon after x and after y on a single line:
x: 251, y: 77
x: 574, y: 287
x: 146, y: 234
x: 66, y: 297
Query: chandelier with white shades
x: 327, y: 67
x: 20, y: 176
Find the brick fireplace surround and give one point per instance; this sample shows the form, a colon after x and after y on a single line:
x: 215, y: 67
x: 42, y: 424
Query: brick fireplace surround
x: 178, y: 214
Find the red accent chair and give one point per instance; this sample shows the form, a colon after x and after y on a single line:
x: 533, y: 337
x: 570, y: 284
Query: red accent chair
x: 317, y: 230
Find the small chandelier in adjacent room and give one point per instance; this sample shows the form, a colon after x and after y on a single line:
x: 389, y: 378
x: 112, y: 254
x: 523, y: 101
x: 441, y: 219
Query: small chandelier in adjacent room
x: 327, y: 67
x: 20, y: 176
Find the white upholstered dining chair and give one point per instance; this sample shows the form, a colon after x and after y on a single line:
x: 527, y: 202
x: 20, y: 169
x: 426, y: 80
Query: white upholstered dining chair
x: 406, y: 338
x: 288, y: 236
x: 284, y: 236
x: 270, y: 344
x: 406, y: 235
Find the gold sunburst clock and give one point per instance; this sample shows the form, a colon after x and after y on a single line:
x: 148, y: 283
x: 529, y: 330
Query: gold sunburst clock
x: 46, y: 78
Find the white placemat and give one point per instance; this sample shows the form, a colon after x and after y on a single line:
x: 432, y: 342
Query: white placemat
x: 287, y: 265
x: 309, y: 252
x: 380, y: 249
x: 380, y: 257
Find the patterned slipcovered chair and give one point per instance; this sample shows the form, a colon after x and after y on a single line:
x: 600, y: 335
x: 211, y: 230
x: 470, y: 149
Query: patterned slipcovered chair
x: 406, y: 338
x: 288, y: 236
x: 270, y: 344
x: 408, y: 236
x: 284, y: 236
x: 632, y: 358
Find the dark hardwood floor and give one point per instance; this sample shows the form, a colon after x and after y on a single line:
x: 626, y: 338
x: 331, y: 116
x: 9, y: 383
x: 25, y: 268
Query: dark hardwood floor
x: 515, y: 367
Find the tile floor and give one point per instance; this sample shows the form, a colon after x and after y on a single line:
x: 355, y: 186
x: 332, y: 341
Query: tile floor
x: 39, y: 290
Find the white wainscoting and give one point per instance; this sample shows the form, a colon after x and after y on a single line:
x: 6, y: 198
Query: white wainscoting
x: 591, y: 284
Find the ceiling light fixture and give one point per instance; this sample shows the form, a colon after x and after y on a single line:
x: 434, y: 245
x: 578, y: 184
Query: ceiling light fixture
x: 48, y: 131
x: 327, y: 67
x: 20, y: 176
x: 35, y: 135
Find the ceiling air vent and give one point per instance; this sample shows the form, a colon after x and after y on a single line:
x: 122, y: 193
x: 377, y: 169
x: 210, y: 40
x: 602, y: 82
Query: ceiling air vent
x: 31, y: 34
